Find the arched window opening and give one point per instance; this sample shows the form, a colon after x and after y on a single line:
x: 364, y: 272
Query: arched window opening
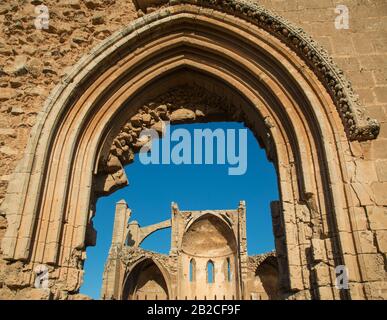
x: 145, y: 281
x: 192, y: 270
x: 210, y: 272
x: 228, y: 269
x: 147, y: 212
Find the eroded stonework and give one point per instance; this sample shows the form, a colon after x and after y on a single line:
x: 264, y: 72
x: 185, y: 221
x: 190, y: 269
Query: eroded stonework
x: 357, y: 124
x: 333, y: 181
x: 184, y: 104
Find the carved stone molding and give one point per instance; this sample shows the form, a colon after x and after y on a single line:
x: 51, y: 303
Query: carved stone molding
x: 357, y: 124
x: 254, y: 261
x: 129, y: 256
x: 184, y: 104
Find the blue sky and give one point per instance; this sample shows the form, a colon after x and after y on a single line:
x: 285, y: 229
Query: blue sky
x: 152, y: 188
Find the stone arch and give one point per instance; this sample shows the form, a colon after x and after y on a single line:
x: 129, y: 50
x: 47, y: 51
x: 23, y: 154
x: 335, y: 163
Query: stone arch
x: 267, y: 272
x: 224, y: 220
x: 219, y: 241
x: 150, y: 277
x: 210, y: 239
x: 210, y: 270
x: 272, y: 77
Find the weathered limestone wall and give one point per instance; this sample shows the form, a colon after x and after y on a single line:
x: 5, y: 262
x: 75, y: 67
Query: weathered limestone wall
x: 150, y: 285
x: 361, y: 52
x: 263, y: 277
x: 200, y: 288
x: 33, y: 61
x: 206, y: 241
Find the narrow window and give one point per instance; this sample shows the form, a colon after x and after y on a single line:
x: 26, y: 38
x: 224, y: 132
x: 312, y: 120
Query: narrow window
x: 192, y: 270
x: 228, y: 270
x: 210, y: 272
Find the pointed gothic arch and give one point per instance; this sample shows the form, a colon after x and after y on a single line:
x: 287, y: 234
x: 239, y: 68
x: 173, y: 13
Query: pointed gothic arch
x: 264, y: 72
x: 146, y: 280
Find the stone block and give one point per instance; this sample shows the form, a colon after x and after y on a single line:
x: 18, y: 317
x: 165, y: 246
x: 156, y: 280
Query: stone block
x: 381, y: 170
x: 7, y: 94
x: 380, y: 192
x: 381, y: 94
x: 377, y: 218
x: 33, y: 294
x: 366, y: 241
x: 365, y: 171
x: 381, y: 239
x: 374, y: 267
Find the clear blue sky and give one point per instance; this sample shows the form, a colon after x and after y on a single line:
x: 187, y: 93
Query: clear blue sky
x: 152, y: 188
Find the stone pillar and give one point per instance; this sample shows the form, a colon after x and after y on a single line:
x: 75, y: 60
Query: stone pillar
x: 174, y: 228
x: 243, y: 258
x: 121, y: 219
x: 111, y: 286
x: 280, y: 246
x: 111, y: 276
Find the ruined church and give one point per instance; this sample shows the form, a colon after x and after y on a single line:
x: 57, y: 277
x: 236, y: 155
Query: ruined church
x: 207, y: 261
x: 77, y: 90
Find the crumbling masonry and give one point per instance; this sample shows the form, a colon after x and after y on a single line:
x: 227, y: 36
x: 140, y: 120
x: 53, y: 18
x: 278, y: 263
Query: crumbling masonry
x: 74, y: 97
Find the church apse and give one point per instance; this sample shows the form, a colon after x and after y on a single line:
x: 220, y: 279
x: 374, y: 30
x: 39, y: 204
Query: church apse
x: 207, y: 260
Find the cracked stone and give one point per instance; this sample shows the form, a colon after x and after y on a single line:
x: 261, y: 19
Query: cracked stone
x: 16, y: 111
x: 19, y: 66
x: 182, y: 115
